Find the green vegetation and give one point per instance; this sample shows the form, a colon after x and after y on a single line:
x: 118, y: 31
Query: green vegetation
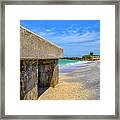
x: 87, y: 56
x: 90, y: 56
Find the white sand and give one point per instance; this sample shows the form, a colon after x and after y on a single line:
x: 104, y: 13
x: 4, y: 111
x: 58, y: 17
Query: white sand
x: 81, y: 84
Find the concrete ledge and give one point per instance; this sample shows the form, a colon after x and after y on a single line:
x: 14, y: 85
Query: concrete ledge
x: 34, y: 46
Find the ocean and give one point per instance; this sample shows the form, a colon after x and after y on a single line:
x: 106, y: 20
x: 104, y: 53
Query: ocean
x: 66, y: 65
x: 63, y: 62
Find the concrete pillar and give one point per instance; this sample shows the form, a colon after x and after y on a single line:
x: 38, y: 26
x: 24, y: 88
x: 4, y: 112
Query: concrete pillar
x: 28, y: 79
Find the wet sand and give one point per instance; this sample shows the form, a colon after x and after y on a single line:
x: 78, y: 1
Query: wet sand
x: 83, y: 83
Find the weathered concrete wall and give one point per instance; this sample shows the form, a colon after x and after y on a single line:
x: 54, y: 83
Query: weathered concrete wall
x: 33, y: 46
x: 32, y: 94
x: 28, y: 79
x: 48, y: 73
x: 38, y: 64
x: 37, y: 75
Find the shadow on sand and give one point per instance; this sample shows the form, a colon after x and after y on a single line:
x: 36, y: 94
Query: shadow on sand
x: 41, y: 91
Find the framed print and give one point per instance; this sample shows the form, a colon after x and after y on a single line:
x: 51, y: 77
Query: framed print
x: 60, y: 60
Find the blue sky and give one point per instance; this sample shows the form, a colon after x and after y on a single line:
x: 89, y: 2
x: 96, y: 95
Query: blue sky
x: 76, y: 37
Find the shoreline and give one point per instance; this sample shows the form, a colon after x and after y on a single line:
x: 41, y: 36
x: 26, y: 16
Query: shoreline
x: 83, y: 83
x: 74, y: 66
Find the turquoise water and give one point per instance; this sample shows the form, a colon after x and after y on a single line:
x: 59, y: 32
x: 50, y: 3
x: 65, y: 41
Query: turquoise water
x: 66, y: 65
x: 66, y: 61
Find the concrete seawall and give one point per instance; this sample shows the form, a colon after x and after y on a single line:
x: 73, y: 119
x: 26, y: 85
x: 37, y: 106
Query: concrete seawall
x: 38, y: 64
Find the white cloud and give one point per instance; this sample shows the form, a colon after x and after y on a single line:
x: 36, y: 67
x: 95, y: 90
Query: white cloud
x: 77, y: 38
x: 71, y: 35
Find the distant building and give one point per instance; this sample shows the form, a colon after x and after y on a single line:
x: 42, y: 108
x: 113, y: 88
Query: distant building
x: 38, y: 64
x: 90, y: 57
x: 95, y: 57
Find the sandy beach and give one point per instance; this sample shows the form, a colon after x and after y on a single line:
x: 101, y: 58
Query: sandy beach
x: 82, y: 82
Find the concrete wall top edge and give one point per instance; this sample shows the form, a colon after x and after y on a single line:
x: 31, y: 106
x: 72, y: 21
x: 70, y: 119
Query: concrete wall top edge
x: 42, y: 38
x: 33, y: 46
